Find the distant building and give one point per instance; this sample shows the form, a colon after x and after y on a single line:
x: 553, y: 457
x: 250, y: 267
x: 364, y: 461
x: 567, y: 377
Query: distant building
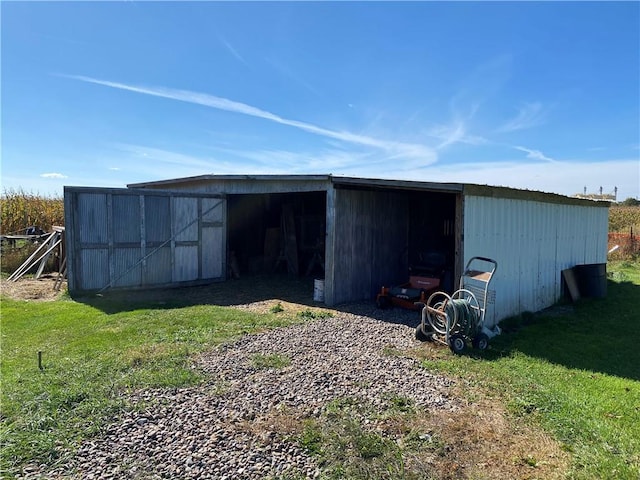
x: 602, y: 197
x: 605, y: 197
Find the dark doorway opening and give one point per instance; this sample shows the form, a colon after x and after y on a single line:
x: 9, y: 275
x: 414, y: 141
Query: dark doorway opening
x: 276, y: 233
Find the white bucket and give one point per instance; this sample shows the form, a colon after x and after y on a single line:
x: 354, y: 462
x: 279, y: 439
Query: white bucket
x: 318, y: 290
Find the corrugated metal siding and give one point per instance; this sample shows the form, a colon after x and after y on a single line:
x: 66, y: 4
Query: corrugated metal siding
x: 126, y: 238
x: 157, y: 221
x: 126, y: 213
x: 213, y: 236
x: 158, y: 269
x: 92, y: 216
x: 532, y: 243
x: 185, y: 265
x: 184, y: 211
x: 93, y: 268
x: 127, y: 267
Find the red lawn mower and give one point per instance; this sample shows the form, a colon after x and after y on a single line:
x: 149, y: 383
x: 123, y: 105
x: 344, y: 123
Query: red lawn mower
x: 425, y: 277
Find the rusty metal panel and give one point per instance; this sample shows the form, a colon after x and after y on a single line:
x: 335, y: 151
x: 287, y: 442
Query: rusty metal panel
x: 532, y: 242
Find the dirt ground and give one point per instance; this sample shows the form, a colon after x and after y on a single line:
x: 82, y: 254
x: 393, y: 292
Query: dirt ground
x: 41, y: 289
x: 230, y: 293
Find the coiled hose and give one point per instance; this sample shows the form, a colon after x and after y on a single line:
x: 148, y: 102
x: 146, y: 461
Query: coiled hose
x: 467, y: 316
x: 463, y: 317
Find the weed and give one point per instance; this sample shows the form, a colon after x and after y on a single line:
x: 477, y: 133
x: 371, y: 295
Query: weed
x: 311, y: 438
x: 277, y: 308
x: 529, y: 461
x: 399, y: 403
x: 309, y: 314
x: 391, y: 351
x: 275, y: 360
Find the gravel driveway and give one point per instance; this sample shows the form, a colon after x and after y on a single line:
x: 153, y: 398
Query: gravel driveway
x: 232, y: 426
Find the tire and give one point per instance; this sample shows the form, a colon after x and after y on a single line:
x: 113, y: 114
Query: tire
x: 457, y: 343
x: 422, y: 336
x: 481, y: 341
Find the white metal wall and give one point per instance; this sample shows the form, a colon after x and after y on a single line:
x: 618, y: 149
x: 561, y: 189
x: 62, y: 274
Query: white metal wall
x: 532, y: 242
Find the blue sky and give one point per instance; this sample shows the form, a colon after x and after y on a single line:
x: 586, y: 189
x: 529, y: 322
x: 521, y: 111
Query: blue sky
x: 535, y: 95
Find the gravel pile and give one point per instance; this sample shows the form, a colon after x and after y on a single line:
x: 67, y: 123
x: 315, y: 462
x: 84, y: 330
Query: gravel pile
x: 232, y: 427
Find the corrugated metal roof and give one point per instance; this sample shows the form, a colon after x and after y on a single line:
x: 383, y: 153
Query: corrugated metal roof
x: 213, y: 177
x: 398, y: 184
x: 465, y: 188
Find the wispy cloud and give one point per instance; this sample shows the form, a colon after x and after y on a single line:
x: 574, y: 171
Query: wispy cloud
x: 53, y: 175
x: 395, y: 149
x: 528, y: 116
x: 563, y: 177
x: 233, y: 51
x: 456, y: 132
x: 153, y: 155
x: 449, y: 134
x: 534, y: 154
x: 479, y: 86
x: 287, y: 72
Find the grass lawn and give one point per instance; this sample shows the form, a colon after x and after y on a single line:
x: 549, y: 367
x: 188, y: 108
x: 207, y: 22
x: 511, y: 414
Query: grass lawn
x: 91, y: 351
x: 575, y: 373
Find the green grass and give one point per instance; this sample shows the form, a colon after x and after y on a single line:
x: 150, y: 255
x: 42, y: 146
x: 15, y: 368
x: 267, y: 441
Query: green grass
x: 90, y: 353
x: 576, y: 374
x: 347, y: 449
x: 275, y: 361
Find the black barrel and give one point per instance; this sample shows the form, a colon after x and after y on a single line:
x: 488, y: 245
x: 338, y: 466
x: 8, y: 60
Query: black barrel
x: 592, y: 279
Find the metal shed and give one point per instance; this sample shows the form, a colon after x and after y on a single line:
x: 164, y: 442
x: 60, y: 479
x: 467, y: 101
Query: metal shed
x: 357, y: 234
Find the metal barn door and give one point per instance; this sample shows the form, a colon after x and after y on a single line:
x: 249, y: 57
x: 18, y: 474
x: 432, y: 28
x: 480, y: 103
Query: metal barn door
x: 122, y: 238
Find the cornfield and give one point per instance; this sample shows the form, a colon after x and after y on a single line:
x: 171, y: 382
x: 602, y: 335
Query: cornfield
x: 623, y: 218
x: 20, y: 210
x: 624, y: 232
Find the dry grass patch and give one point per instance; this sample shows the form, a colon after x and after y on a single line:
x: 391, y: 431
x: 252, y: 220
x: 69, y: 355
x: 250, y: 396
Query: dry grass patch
x: 27, y: 288
x: 284, y: 421
x: 477, y: 441
x: 281, y: 306
x: 481, y: 441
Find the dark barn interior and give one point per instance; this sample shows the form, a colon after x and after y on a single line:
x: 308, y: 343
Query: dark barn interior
x: 276, y: 232
x: 381, y: 236
x: 432, y: 235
